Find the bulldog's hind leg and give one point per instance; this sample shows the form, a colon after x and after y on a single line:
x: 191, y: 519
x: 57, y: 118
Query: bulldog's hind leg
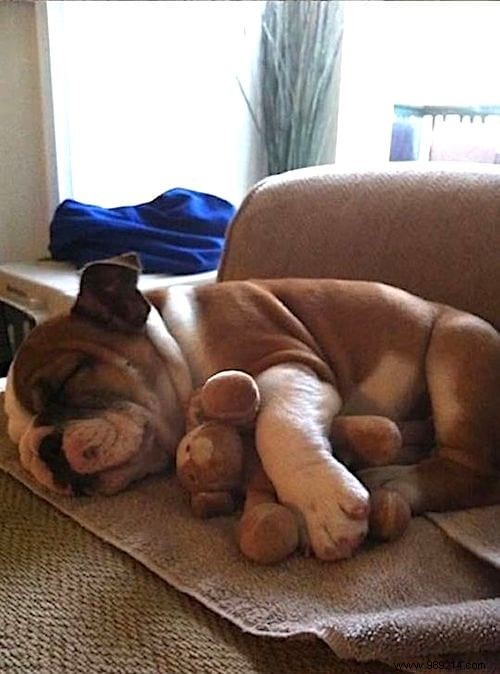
x: 292, y: 440
x: 463, y: 374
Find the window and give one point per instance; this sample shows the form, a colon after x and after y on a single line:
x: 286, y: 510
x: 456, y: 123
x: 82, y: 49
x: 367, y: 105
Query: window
x: 413, y: 54
x: 146, y: 98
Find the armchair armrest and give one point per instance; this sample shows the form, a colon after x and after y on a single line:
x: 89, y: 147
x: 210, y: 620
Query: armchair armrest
x: 431, y: 229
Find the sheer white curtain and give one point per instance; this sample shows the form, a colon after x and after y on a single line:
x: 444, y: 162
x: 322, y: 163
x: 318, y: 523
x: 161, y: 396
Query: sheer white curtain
x: 146, y: 98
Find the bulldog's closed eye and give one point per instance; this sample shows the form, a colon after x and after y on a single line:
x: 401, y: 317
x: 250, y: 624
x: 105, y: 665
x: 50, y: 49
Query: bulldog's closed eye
x: 96, y: 386
x: 52, y: 399
x: 46, y: 390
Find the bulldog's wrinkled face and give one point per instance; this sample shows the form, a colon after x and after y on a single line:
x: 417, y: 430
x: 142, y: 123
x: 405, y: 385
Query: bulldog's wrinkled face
x: 90, y: 398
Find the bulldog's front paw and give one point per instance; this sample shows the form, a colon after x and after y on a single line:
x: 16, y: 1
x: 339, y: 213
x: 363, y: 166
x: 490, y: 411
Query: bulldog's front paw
x: 335, y: 509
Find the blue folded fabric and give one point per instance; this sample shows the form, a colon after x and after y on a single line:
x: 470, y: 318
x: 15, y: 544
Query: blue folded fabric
x: 180, y: 232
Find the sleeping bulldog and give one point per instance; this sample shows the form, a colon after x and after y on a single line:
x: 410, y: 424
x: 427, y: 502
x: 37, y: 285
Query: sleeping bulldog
x: 96, y: 398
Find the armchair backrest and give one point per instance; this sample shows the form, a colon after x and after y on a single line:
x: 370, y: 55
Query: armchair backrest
x: 431, y: 229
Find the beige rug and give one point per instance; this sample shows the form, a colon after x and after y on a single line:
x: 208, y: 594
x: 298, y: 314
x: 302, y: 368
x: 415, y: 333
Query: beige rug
x: 98, y: 611
x: 422, y: 595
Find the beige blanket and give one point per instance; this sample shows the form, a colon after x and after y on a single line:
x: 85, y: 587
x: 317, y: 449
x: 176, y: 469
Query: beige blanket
x: 422, y: 595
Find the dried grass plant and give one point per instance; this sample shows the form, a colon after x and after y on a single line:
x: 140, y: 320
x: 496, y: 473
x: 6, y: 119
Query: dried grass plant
x: 299, y: 47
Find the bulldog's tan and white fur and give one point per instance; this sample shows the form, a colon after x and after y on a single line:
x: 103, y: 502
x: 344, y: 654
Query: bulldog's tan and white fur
x: 95, y: 398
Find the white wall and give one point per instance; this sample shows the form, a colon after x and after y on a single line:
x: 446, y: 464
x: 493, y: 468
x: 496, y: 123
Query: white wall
x: 24, y: 198
x: 446, y: 52
x: 146, y: 98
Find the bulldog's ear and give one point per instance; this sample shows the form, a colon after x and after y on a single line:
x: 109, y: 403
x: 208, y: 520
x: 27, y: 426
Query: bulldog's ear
x: 108, y: 294
x: 125, y: 259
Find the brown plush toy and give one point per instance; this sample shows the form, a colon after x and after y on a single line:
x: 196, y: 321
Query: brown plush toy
x: 216, y: 462
x: 210, y: 456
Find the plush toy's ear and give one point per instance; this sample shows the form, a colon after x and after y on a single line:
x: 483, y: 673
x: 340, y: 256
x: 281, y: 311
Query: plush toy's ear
x: 108, y: 294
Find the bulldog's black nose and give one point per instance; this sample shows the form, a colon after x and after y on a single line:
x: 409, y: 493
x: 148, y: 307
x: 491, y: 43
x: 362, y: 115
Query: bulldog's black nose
x: 52, y: 454
x: 50, y: 451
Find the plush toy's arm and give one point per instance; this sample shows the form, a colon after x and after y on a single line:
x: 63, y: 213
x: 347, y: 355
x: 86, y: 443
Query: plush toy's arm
x: 268, y: 532
x: 369, y: 440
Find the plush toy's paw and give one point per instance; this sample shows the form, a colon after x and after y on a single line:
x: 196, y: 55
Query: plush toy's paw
x: 390, y: 515
x: 268, y: 533
x: 212, y: 504
x: 365, y: 440
x: 335, y: 507
x: 401, y: 479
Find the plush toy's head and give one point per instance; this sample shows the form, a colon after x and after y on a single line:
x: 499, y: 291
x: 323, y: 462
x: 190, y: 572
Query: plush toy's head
x: 210, y: 458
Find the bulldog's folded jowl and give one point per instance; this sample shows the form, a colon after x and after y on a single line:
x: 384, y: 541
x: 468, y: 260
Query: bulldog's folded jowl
x: 96, y: 398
